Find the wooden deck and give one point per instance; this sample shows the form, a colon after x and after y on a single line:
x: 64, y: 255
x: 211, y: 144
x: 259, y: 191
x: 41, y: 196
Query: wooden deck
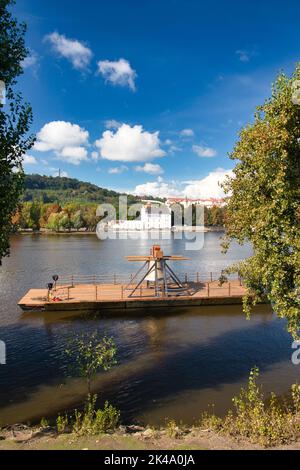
x: 112, y: 296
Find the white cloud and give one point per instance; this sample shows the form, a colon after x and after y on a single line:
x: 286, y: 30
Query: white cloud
x: 95, y: 156
x: 158, y: 188
x: 168, y: 142
x: 118, y: 72
x: 59, y: 134
x: 150, y: 168
x: 112, y: 124
x: 130, y: 144
x: 204, y: 151
x: 187, y: 133
x: 73, y: 155
x: 209, y: 186
x: 175, y: 148
x: 29, y: 160
x: 67, y: 140
x: 72, y: 49
x: 30, y: 61
x: 117, y: 170
x: 204, y: 188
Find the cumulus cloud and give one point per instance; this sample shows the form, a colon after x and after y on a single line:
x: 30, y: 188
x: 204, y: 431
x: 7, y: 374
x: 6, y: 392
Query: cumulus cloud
x: 118, y: 72
x: 29, y: 160
x: 112, y: 124
x: 150, y: 168
x: 199, y: 189
x: 72, y: 49
x: 130, y: 144
x: 158, y: 188
x: 117, y: 170
x: 73, y: 155
x: 187, y: 133
x: 67, y: 140
x: 204, y: 151
x: 209, y: 186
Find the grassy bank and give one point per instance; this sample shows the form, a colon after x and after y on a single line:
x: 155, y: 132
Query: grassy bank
x: 193, y: 439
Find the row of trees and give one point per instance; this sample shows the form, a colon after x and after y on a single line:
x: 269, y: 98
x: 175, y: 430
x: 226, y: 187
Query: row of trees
x: 75, y: 216
x: 36, y: 215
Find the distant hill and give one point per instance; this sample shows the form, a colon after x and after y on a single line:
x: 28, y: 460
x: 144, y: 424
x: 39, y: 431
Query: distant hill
x: 49, y: 189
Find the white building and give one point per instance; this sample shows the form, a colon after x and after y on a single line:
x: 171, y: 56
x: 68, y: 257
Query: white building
x: 186, y: 202
x: 154, y: 216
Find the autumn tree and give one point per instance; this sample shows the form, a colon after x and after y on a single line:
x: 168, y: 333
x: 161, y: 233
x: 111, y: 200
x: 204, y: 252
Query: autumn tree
x: 90, y: 218
x: 35, y: 215
x: 264, y: 202
x: 15, y: 120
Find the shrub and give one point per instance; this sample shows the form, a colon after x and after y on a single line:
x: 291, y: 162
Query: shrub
x: 92, y: 421
x: 44, y: 423
x: 62, y: 423
x: 264, y: 422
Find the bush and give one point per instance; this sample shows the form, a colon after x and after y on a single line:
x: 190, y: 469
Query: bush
x: 44, y: 423
x: 62, y: 423
x: 267, y: 423
x: 92, y: 421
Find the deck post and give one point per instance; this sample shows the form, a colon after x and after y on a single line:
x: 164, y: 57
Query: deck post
x: 96, y: 291
x: 186, y: 278
x: 68, y: 293
x: 72, y: 280
x: 122, y: 292
x: 115, y: 279
x: 208, y: 289
x: 211, y: 277
x: 197, y: 277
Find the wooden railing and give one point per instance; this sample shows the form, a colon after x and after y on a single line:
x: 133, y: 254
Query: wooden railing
x: 101, y: 287
x: 95, y: 279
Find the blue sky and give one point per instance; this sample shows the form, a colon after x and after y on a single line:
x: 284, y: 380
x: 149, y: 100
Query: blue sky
x: 149, y: 96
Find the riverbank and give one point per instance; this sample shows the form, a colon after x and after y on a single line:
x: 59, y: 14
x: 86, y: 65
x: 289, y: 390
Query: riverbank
x: 83, y: 232
x: 128, y: 438
x: 258, y: 422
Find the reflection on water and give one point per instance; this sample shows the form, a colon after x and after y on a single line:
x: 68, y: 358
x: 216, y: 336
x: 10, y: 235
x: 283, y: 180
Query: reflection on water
x: 172, y: 363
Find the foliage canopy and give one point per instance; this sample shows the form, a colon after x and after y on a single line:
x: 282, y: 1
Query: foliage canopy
x: 15, y: 120
x: 264, y: 202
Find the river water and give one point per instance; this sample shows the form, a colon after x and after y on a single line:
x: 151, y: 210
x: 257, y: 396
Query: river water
x: 171, y: 363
